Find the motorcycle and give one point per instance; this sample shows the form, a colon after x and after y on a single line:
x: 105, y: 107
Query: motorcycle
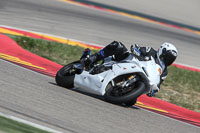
x: 119, y: 82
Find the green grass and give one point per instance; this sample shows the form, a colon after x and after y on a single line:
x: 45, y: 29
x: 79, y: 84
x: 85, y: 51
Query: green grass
x: 57, y: 52
x: 182, y: 87
x: 11, y: 126
x: 189, y: 79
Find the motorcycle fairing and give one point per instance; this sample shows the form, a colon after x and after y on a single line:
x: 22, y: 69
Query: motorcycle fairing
x: 96, y: 84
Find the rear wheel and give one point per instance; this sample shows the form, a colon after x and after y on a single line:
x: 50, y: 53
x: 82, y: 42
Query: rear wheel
x: 124, y: 95
x: 65, y: 76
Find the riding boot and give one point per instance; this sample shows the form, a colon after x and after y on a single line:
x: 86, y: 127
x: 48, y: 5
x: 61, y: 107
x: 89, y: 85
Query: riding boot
x: 88, y: 59
x: 86, y: 53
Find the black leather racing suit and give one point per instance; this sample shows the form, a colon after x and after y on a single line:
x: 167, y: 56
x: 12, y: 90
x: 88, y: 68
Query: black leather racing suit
x: 120, y: 52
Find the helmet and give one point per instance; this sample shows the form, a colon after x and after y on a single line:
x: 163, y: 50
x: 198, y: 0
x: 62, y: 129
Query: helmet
x: 167, y: 53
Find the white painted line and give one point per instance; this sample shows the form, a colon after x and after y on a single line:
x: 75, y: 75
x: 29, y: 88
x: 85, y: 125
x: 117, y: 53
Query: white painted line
x: 1, y: 114
x: 188, y: 65
x: 51, y: 35
x: 29, y: 123
x: 38, y: 126
x: 77, y: 41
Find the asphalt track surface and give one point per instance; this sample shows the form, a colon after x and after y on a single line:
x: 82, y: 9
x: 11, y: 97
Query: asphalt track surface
x: 183, y: 11
x: 62, y: 19
x: 35, y: 97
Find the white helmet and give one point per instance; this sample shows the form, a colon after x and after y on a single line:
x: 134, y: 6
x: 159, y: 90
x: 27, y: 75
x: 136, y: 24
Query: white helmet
x: 167, y: 53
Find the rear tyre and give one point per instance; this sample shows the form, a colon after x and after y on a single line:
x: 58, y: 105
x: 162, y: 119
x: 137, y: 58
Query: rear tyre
x: 128, y: 98
x: 65, y: 76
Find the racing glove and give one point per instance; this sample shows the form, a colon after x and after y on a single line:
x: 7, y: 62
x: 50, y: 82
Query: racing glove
x: 154, y: 90
x: 152, y: 93
x: 136, y: 50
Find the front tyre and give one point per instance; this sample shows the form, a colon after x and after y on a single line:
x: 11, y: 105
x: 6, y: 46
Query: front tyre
x: 115, y: 95
x: 65, y: 76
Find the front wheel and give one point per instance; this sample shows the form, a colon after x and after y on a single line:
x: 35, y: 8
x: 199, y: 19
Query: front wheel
x: 128, y: 96
x: 65, y: 76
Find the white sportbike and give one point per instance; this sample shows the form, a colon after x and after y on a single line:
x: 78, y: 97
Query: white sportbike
x: 119, y: 82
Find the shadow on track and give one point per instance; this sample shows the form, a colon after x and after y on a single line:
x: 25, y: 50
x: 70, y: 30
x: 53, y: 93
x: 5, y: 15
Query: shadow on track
x: 96, y: 97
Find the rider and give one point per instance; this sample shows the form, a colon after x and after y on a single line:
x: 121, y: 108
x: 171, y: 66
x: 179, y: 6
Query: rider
x: 164, y: 57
